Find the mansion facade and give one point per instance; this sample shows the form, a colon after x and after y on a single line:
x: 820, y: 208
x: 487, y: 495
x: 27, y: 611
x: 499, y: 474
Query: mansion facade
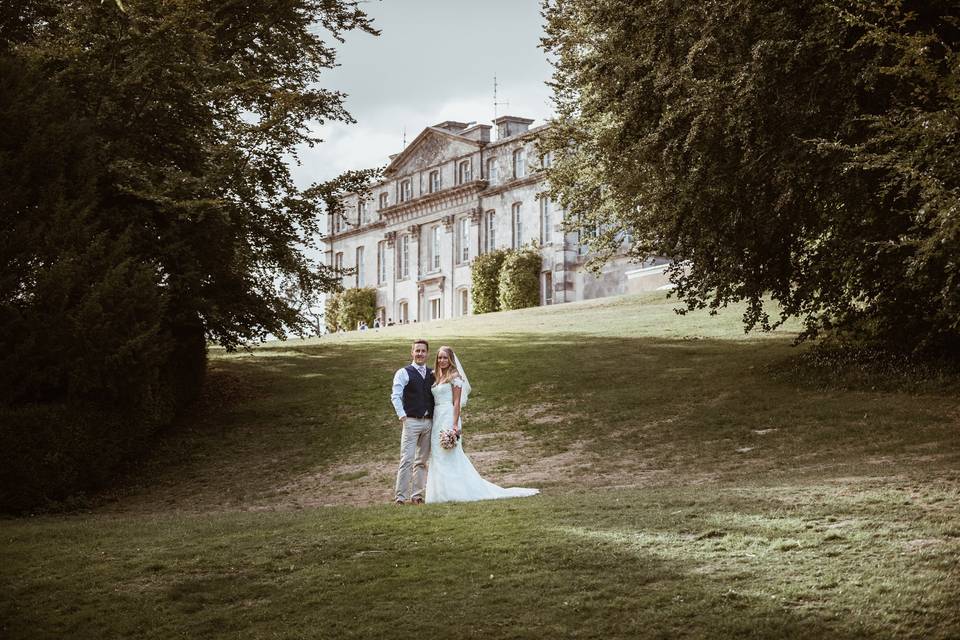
x: 453, y: 194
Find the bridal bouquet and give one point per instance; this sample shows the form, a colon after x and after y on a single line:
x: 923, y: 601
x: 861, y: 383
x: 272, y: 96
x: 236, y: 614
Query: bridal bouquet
x: 448, y: 438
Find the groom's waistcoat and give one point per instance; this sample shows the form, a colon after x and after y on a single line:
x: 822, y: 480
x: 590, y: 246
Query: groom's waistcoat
x: 417, y: 397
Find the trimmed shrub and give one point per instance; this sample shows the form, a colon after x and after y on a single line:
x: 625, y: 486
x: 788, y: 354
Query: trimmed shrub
x: 331, y: 309
x: 485, y: 273
x: 519, y: 286
x: 356, y: 305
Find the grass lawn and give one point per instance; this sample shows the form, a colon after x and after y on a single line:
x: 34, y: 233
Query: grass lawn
x: 695, y: 484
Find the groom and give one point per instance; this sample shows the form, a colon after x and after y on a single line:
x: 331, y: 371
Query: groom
x: 413, y: 401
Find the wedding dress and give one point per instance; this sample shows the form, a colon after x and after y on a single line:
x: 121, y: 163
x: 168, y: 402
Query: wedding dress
x: 450, y: 475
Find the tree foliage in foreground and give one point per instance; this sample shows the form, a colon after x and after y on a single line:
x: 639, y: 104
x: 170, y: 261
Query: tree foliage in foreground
x: 146, y: 206
x: 807, y: 150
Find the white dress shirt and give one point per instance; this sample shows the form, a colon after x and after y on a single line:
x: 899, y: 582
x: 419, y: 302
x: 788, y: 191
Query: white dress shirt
x: 400, y: 380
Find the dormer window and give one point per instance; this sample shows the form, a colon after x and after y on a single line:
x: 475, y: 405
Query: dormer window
x: 463, y: 172
x: 384, y: 200
x: 362, y: 216
x: 434, y: 181
x: 406, y: 190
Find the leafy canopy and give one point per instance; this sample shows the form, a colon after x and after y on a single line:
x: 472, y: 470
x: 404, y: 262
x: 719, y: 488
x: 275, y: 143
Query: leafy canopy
x: 804, y: 150
x: 195, y: 110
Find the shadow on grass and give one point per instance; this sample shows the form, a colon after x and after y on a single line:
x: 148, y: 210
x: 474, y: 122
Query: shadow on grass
x: 685, y: 410
x: 631, y: 566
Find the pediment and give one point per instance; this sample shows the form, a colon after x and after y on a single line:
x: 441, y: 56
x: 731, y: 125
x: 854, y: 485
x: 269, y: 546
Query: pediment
x: 432, y: 147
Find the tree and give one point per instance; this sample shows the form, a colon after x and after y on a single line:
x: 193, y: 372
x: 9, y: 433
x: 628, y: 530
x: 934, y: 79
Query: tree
x: 803, y: 150
x: 197, y: 107
x: 354, y: 306
x: 147, y: 207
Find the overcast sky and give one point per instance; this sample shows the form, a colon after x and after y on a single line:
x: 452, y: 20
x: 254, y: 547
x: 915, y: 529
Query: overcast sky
x: 435, y: 60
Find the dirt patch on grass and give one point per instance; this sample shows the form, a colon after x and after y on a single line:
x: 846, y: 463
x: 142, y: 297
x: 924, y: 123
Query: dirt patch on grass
x: 352, y: 483
x: 507, y: 458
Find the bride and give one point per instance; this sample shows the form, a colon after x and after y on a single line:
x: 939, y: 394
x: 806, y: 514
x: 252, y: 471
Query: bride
x: 451, y: 476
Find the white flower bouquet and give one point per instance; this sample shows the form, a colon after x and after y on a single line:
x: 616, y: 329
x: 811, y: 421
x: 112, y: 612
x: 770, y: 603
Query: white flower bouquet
x: 448, y: 438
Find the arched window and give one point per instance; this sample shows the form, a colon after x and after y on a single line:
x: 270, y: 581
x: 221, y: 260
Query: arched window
x: 490, y: 231
x: 519, y: 163
x: 546, y: 220
x: 463, y: 172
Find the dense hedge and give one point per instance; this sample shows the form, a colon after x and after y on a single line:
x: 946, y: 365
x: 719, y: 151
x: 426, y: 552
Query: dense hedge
x: 485, y: 275
x: 50, y: 451
x: 345, y: 310
x: 519, y: 285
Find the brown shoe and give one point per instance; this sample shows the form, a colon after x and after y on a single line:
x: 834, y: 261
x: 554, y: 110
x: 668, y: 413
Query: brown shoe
x: 417, y: 500
x: 398, y: 502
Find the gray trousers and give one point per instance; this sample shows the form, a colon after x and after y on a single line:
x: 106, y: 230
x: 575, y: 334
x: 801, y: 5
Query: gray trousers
x: 414, y: 453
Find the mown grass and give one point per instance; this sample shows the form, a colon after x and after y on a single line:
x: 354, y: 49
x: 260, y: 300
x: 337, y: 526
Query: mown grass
x: 693, y: 487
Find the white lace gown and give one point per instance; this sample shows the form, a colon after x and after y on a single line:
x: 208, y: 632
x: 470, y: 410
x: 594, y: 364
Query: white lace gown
x: 450, y: 475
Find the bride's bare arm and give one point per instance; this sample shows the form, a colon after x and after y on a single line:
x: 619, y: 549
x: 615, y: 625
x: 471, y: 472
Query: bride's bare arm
x: 456, y: 407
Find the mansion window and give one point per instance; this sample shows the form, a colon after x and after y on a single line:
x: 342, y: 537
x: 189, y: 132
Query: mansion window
x: 490, y: 229
x: 337, y: 222
x: 519, y: 163
x: 360, y: 281
x: 435, y: 310
x: 434, y: 181
x: 463, y: 172
x: 463, y: 240
x: 546, y: 220
x: 406, y: 190
x: 381, y: 262
x: 338, y: 262
x: 403, y: 257
x: 492, y: 170
x: 403, y: 314
x: 546, y: 160
x: 517, y: 213
x: 362, y: 216
x: 384, y: 200
x: 434, y: 248
x: 464, y: 299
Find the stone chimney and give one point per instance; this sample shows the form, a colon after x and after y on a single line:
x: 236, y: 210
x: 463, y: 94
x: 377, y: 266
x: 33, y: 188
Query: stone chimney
x: 478, y: 132
x: 511, y: 125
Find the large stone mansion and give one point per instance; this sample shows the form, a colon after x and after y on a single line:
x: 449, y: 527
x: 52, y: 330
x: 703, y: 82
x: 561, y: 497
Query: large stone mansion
x: 450, y: 195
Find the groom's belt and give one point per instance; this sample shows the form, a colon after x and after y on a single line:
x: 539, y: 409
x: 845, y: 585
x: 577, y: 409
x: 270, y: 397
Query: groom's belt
x: 420, y: 418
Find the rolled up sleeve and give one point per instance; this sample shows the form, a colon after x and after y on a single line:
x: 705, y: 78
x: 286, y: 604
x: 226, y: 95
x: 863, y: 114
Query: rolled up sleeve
x: 400, y: 380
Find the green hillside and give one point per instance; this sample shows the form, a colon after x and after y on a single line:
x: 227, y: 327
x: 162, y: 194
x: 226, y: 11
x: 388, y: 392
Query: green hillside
x: 696, y: 483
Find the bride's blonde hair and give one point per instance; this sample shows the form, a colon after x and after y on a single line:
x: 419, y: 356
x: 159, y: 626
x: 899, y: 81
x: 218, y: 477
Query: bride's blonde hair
x: 442, y: 377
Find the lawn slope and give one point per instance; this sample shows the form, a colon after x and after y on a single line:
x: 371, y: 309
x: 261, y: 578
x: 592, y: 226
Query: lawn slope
x: 693, y: 486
